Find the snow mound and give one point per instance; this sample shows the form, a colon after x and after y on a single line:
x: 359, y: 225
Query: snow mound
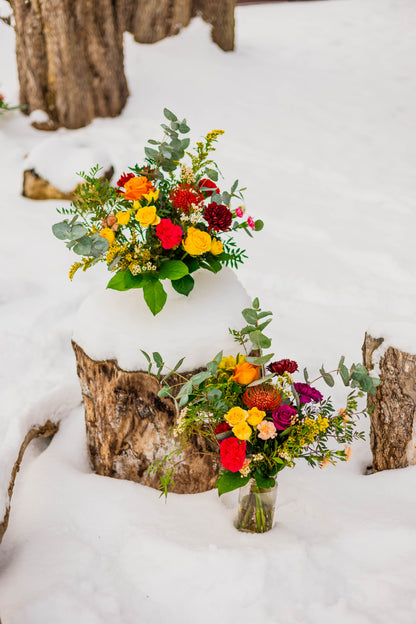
x: 116, y: 325
x: 60, y: 158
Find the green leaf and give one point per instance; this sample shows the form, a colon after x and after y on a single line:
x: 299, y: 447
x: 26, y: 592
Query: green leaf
x: 211, y: 174
x: 186, y: 389
x: 99, y: 245
x: 229, y: 481
x: 184, y: 128
x: 258, y: 225
x: 358, y: 372
x: 256, y: 303
x: 259, y: 340
x: 61, y: 230
x: 260, y: 381
x: 124, y: 280
x: 345, y: 375
x: 157, y: 359
x: 233, y: 190
x: 185, y: 143
x: 264, y: 325
x: 184, y: 285
x: 163, y: 392
x: 263, y: 314
x: 263, y: 482
x: 259, y: 361
x: 173, y: 270
x: 146, y: 355
x: 154, y: 295
x: 214, y: 264
x: 151, y: 153
x: 197, y: 379
x: 328, y: 379
x: 82, y: 246
x: 250, y: 316
x: 193, y: 264
x: 77, y: 231
x: 169, y: 115
x: 214, y: 394
x: 305, y: 374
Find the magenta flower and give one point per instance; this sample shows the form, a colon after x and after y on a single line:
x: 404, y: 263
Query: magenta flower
x: 239, y: 212
x: 284, y: 417
x: 307, y: 393
x: 250, y: 223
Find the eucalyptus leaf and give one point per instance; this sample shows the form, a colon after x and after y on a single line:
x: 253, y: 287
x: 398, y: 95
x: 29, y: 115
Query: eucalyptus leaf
x: 169, y: 115
x: 260, y: 381
x: 259, y: 361
x: 250, y: 316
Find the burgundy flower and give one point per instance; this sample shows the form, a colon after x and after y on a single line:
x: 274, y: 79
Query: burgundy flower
x: 219, y: 217
x: 283, y: 366
x: 284, y: 417
x: 124, y: 177
x: 222, y: 427
x: 307, y: 393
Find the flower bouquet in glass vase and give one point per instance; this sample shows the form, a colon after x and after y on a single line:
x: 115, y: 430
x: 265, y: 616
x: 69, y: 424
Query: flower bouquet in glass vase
x: 259, y: 419
x: 164, y: 220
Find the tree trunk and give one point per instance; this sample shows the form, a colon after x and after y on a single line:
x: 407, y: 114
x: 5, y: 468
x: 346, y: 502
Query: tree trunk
x: 129, y: 428
x: 393, y: 408
x: 153, y: 20
x: 44, y: 431
x: 70, y: 59
x: 219, y: 13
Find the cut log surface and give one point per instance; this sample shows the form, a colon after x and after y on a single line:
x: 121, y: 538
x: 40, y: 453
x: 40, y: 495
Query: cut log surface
x: 393, y: 408
x: 129, y: 428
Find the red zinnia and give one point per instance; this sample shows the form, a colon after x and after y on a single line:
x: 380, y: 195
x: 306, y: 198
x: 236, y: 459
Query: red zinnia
x: 124, y: 177
x: 208, y: 187
x: 233, y: 453
x: 283, y: 366
x: 170, y: 234
x: 219, y: 217
x: 264, y: 397
x: 184, y: 196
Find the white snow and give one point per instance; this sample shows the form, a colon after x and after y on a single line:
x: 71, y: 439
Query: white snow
x: 59, y: 158
x: 318, y: 107
x: 117, y: 325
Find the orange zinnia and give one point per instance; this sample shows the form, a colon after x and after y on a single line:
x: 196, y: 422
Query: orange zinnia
x: 137, y: 187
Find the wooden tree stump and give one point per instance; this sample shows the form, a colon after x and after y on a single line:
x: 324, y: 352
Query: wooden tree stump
x: 393, y: 408
x: 129, y: 427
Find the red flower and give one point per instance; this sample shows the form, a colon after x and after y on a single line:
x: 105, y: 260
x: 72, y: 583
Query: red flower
x: 124, y: 177
x: 184, y: 196
x: 170, y: 234
x: 208, y: 187
x: 222, y: 427
x: 233, y: 453
x: 219, y: 217
x: 283, y: 366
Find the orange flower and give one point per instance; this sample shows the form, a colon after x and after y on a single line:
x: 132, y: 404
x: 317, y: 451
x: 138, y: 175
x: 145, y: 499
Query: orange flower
x: 348, y: 453
x: 265, y: 397
x: 245, y: 373
x: 137, y: 187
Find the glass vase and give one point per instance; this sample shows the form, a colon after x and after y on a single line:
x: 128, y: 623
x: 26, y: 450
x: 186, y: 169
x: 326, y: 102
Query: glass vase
x: 256, y: 507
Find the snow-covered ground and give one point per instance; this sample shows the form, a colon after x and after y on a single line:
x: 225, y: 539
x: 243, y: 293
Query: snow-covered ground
x: 318, y: 107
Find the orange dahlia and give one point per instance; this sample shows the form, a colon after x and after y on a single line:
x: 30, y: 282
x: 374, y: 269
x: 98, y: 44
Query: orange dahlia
x: 264, y: 397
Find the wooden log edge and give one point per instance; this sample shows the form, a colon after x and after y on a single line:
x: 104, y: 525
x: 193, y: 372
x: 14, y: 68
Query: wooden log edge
x: 42, y: 431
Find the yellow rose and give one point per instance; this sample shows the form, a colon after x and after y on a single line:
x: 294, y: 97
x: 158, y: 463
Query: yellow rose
x: 123, y: 217
x: 235, y: 416
x: 245, y: 373
x: 216, y: 247
x: 108, y: 234
x: 255, y: 416
x: 147, y: 216
x: 196, y: 242
x: 242, y: 431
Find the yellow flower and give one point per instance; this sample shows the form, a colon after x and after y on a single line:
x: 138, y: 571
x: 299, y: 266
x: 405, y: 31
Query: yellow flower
x: 136, y: 205
x: 108, y: 234
x: 229, y: 363
x: 196, y: 242
x: 147, y: 216
x: 123, y: 217
x: 216, y: 247
x: 235, y: 416
x: 242, y: 431
x: 255, y: 416
x: 152, y: 196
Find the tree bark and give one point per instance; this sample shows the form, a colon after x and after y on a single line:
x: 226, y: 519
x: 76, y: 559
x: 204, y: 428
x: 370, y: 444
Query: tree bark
x: 153, y: 20
x: 44, y: 431
x: 220, y: 14
x: 393, y: 408
x: 129, y: 428
x: 70, y: 59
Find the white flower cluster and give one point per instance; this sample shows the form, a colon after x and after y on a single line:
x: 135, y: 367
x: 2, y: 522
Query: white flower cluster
x: 196, y: 214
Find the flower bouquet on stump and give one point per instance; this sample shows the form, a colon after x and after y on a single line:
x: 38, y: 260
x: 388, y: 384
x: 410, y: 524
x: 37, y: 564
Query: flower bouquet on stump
x: 262, y: 420
x: 164, y: 220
